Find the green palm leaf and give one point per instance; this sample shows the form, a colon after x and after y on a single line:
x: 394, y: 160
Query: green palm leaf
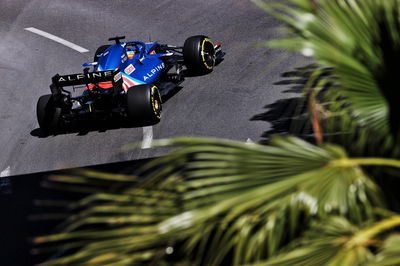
x: 290, y: 182
x: 389, y: 253
x: 231, y: 196
x: 359, y: 40
x: 217, y: 201
x: 337, y: 242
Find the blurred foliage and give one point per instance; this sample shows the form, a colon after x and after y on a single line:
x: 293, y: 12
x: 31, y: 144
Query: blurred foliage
x: 288, y: 202
x: 359, y: 42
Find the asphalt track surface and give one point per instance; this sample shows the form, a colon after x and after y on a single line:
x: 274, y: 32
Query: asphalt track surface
x: 217, y: 105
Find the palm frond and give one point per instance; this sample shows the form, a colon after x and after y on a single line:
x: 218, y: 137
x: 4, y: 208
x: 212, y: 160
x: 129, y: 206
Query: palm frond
x: 389, y: 253
x: 290, y: 182
x: 218, y: 201
x: 229, y: 191
x: 359, y: 41
x: 335, y: 241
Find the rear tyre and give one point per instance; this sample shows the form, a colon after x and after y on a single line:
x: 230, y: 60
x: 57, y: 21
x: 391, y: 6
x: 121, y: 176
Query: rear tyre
x: 99, y: 51
x: 48, y: 114
x: 144, y: 104
x: 199, y: 54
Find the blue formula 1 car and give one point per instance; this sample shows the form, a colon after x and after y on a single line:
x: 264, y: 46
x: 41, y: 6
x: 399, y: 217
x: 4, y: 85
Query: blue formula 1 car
x: 127, y: 79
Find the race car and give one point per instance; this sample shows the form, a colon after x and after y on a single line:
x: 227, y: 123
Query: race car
x: 128, y: 79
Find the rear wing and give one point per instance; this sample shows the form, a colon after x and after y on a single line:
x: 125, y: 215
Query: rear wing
x: 86, y: 78
x: 58, y: 82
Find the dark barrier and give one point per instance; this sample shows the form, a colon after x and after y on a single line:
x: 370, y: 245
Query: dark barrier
x: 17, y: 204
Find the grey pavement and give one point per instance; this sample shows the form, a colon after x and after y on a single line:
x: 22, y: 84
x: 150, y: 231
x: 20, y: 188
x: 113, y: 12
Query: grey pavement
x: 220, y: 104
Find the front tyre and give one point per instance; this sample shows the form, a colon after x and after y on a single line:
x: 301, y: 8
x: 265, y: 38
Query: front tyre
x: 48, y: 114
x: 144, y: 104
x: 199, y: 54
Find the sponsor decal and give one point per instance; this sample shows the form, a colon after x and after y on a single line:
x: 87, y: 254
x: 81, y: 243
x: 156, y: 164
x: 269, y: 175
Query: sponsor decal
x: 117, y: 76
x: 124, y: 58
x: 129, y: 69
x: 92, y: 75
x: 154, y: 71
x: 130, y: 82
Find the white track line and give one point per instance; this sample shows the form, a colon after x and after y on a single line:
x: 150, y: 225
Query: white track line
x: 249, y: 141
x: 147, y: 137
x: 57, y: 39
x: 6, y: 172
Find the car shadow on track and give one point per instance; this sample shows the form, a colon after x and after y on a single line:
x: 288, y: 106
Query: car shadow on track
x: 187, y: 73
x: 82, y: 128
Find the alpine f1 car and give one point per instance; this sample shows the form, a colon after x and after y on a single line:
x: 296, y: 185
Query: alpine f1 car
x: 127, y: 79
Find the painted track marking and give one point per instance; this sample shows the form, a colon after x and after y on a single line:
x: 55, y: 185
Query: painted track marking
x: 249, y: 141
x: 6, y: 172
x: 5, y: 181
x: 57, y: 39
x: 147, y: 137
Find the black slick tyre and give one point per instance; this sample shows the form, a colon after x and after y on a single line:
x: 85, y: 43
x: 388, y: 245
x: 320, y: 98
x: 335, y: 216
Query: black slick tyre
x: 199, y: 54
x: 144, y: 104
x: 48, y: 114
x: 99, y: 51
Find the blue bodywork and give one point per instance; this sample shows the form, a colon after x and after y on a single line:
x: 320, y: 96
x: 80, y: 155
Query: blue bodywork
x: 117, y: 67
x: 138, y: 61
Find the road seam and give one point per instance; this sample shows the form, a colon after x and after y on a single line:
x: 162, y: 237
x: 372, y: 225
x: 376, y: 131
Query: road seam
x: 57, y: 39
